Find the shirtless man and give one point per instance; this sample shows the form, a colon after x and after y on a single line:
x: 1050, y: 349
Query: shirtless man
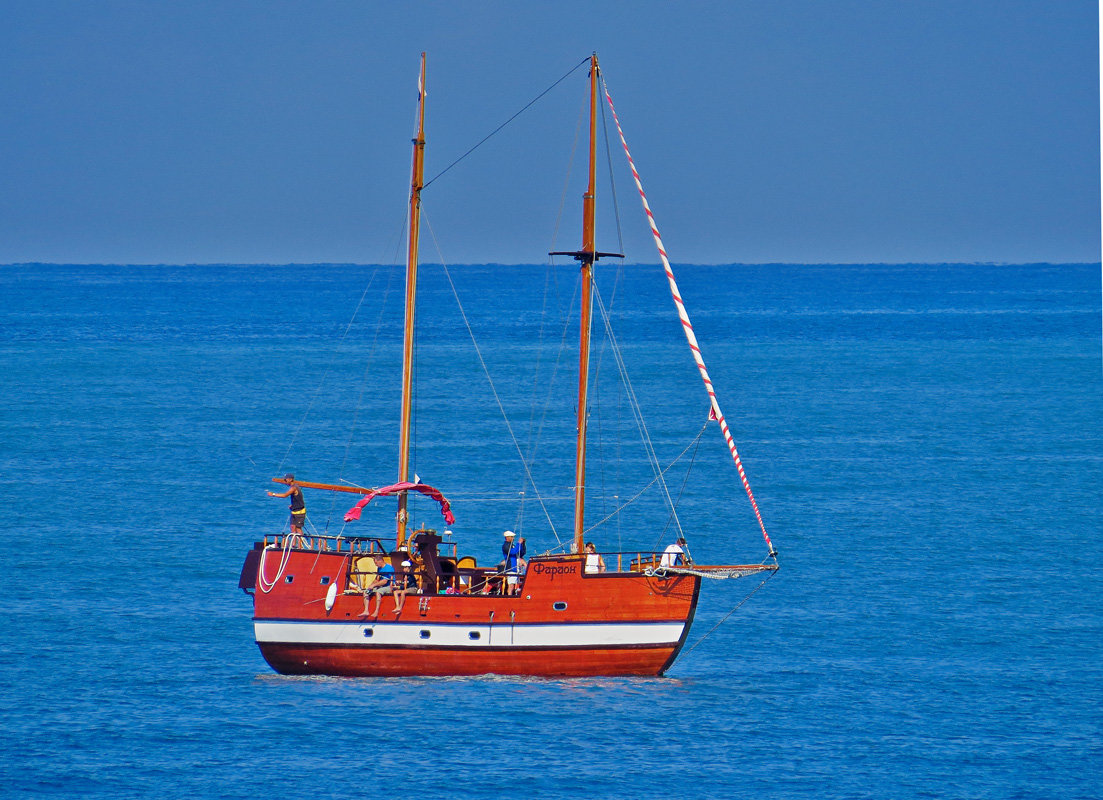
x: 298, y: 505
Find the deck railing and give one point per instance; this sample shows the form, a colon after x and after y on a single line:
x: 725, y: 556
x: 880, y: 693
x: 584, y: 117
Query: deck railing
x: 462, y: 580
x: 360, y: 545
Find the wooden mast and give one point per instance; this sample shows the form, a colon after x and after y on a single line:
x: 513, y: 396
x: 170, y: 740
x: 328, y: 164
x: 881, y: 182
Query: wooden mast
x: 586, y: 256
x: 416, y: 184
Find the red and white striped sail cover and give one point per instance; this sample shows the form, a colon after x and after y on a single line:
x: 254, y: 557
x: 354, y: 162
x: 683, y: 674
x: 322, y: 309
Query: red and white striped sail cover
x: 714, y: 406
x: 445, y: 507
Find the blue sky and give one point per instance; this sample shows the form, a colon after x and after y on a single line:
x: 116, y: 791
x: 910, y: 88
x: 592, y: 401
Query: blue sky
x: 278, y: 132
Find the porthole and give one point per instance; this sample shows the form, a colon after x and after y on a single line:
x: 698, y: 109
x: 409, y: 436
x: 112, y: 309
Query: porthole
x: 560, y: 606
x: 473, y: 634
x: 424, y: 634
x: 290, y: 579
x: 368, y: 633
x: 325, y: 580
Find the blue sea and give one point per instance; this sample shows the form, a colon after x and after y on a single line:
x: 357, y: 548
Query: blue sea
x: 925, y: 443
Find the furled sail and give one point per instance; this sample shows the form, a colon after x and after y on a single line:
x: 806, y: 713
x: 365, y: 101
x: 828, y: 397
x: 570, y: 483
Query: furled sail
x: 405, y: 486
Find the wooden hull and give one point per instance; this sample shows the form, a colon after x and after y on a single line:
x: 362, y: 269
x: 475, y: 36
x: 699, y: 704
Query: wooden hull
x: 563, y: 622
x: 393, y: 662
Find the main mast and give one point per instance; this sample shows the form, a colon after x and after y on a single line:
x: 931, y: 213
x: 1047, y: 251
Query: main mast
x: 416, y: 184
x: 586, y: 257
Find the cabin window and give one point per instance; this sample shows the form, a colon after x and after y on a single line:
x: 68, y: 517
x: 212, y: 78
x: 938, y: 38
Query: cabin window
x: 473, y: 634
x: 424, y: 634
x: 560, y: 606
x: 290, y: 579
x: 368, y: 633
x: 325, y: 580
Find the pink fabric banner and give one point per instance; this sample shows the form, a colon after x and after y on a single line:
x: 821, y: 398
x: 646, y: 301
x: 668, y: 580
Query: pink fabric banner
x: 445, y: 507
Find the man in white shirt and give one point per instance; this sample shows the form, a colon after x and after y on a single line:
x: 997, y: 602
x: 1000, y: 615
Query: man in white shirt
x: 674, y: 555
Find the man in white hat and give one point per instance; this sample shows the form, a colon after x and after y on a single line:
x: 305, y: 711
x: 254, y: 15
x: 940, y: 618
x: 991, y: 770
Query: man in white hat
x: 513, y: 551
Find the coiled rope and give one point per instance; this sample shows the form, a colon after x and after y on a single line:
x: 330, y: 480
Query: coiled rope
x: 267, y: 586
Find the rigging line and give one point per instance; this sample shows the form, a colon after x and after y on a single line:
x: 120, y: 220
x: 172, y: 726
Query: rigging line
x: 550, y: 276
x: 486, y: 372
x: 412, y: 445
x: 321, y: 383
x: 620, y: 451
x: 685, y: 480
x: 395, y: 247
x: 531, y: 444
x: 687, y: 328
x: 597, y: 406
x: 605, y: 342
x: 567, y: 179
x: 633, y: 403
x: 637, y: 411
x: 499, y: 498
x: 612, y: 184
x: 739, y: 605
x: 638, y: 494
x: 555, y: 370
x: 367, y: 368
x: 515, y: 116
x: 596, y: 402
x: 539, y: 358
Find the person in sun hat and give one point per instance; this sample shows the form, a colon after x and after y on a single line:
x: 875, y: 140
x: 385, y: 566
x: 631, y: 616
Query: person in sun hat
x: 513, y: 552
x: 298, y: 505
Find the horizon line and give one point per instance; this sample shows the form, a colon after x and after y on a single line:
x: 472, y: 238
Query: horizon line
x: 299, y: 264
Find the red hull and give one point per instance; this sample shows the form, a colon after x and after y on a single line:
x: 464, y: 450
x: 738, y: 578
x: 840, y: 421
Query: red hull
x: 563, y: 622
x: 394, y: 662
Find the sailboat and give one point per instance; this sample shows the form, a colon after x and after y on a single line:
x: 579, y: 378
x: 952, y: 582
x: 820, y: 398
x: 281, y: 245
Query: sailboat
x: 554, y: 615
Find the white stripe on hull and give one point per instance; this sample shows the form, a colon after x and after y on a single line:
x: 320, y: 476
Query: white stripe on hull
x: 412, y: 634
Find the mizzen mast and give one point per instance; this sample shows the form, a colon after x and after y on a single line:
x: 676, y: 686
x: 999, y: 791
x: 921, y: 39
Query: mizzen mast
x: 417, y: 180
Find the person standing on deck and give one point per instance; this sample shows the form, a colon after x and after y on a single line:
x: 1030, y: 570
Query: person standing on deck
x: 513, y: 550
x: 298, y: 505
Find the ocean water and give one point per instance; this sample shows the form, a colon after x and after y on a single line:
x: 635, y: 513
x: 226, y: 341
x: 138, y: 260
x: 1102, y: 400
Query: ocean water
x: 925, y: 443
